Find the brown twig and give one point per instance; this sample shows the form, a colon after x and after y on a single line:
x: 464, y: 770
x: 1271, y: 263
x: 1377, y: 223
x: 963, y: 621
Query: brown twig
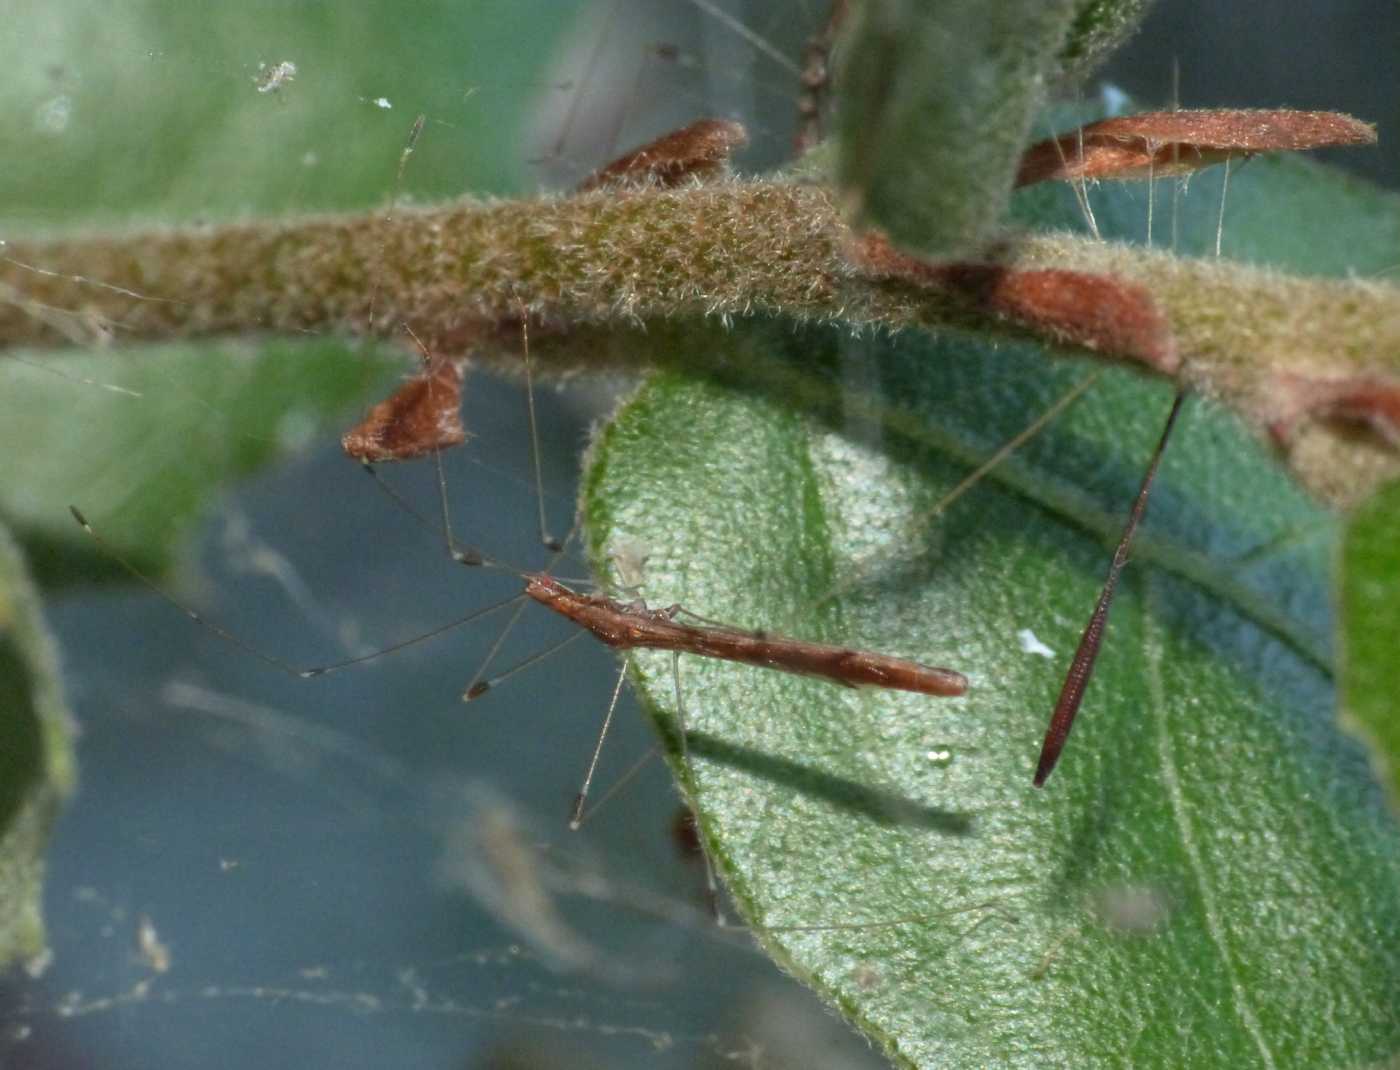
x: 586, y: 267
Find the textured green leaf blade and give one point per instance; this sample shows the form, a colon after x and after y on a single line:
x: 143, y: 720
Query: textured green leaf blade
x: 1370, y: 625
x: 1209, y: 829
x: 1213, y: 828
x: 36, y: 760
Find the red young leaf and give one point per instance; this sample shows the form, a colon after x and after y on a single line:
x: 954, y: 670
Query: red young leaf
x: 1370, y: 401
x: 1098, y: 312
x: 1164, y: 143
x: 422, y: 416
x: 700, y: 150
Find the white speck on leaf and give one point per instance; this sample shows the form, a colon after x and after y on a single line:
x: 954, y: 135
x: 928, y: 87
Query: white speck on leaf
x: 52, y: 116
x: 1031, y: 644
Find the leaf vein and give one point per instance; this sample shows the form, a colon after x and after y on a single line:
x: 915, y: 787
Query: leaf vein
x: 1210, y: 910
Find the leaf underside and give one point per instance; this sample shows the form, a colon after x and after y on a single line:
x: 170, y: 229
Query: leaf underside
x: 1209, y: 878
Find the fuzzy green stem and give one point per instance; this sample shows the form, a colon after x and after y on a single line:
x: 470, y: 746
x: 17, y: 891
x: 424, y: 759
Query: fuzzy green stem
x: 615, y: 260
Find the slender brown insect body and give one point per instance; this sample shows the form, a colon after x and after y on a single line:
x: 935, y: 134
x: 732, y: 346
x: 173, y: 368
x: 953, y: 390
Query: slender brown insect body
x: 634, y: 626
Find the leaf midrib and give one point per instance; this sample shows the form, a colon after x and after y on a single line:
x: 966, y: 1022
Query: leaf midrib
x: 1152, y: 660
x: 1067, y: 503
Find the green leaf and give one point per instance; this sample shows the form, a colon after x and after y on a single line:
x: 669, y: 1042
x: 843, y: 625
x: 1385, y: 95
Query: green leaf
x: 197, y: 139
x: 1370, y: 603
x: 1211, y: 829
x: 170, y: 426
x: 36, y: 759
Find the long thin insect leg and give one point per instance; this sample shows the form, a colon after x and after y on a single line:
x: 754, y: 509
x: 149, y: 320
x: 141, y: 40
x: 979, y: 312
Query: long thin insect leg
x: 1220, y: 220
x: 474, y: 688
x: 711, y: 884
x: 1010, y: 446
x: 479, y: 687
x: 1179, y: 185
x: 1082, y: 667
x: 621, y: 782
x: 1081, y: 191
x: 463, y: 555
x: 478, y: 684
x: 471, y: 556
x: 262, y: 655
x: 576, y: 817
x: 549, y: 541
x: 1151, y: 187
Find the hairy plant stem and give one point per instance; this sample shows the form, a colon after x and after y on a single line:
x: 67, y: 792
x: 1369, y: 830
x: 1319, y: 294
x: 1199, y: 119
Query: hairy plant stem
x: 596, y: 266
